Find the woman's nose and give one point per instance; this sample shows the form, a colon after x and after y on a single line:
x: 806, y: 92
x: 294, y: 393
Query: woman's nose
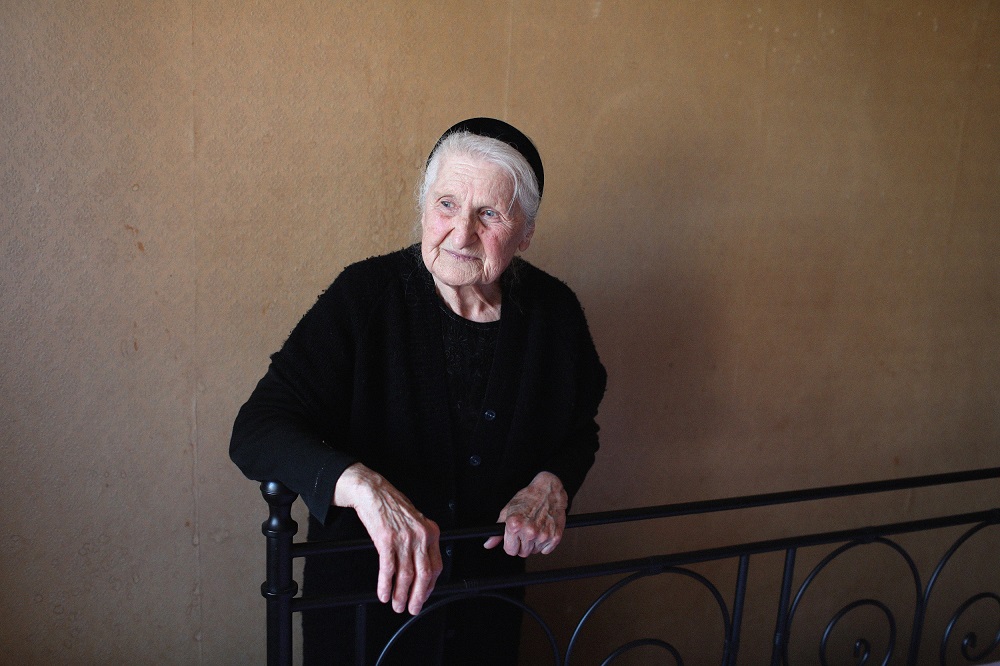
x: 465, y: 231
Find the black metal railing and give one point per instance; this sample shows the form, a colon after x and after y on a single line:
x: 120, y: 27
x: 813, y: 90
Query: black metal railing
x: 280, y: 589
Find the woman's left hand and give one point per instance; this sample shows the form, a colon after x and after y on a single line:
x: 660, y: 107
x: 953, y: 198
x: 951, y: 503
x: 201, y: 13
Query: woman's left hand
x: 534, y: 519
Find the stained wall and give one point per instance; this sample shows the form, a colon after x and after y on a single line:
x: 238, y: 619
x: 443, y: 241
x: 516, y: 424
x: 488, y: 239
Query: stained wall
x: 781, y: 217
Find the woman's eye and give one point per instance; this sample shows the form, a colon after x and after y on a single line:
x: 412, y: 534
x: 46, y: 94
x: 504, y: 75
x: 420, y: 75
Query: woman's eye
x: 490, y: 214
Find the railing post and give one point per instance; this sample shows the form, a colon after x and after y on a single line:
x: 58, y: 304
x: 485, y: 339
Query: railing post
x: 733, y: 640
x: 279, y: 588
x: 782, y: 626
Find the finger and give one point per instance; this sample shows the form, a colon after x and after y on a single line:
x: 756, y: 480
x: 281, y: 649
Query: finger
x: 527, y: 536
x: 404, y: 579
x: 527, y: 547
x: 427, y: 572
x: 511, y: 541
x: 519, y: 542
x: 551, y: 544
x: 495, y: 541
x: 386, y: 573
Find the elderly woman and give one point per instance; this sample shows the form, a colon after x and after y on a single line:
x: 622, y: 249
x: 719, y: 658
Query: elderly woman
x: 448, y: 384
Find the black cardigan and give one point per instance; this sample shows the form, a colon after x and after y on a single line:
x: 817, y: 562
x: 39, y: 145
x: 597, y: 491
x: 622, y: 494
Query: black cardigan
x: 362, y: 378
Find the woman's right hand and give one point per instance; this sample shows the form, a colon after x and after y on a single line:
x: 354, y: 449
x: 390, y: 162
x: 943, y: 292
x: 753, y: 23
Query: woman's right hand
x: 407, y: 542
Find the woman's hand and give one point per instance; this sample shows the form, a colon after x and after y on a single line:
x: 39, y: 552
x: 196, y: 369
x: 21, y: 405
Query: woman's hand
x: 407, y: 542
x: 534, y: 519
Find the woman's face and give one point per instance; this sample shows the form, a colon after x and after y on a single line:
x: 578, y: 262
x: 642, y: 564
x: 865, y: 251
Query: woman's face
x: 471, y: 226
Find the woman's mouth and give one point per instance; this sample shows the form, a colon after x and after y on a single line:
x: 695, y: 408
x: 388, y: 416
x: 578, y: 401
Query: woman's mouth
x: 460, y: 257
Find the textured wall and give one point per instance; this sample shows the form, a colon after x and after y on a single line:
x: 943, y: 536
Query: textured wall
x: 780, y: 215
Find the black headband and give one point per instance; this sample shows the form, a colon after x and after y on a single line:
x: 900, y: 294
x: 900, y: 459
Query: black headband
x: 501, y: 131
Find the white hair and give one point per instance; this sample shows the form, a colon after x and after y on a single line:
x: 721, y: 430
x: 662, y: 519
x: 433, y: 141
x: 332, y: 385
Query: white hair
x: 495, y: 152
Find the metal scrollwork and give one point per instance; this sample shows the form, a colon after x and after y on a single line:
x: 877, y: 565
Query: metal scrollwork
x: 862, y: 646
x: 970, y: 640
x: 644, y: 642
x: 477, y: 595
x: 978, y: 612
x: 707, y: 584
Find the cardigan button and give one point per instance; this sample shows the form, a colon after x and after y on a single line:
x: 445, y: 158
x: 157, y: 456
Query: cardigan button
x: 489, y: 415
x: 452, y: 506
x: 475, y: 461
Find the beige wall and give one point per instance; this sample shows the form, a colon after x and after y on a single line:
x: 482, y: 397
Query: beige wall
x: 781, y: 216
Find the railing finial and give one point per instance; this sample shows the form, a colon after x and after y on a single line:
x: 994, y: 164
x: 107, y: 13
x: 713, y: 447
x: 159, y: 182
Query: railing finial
x: 279, y: 588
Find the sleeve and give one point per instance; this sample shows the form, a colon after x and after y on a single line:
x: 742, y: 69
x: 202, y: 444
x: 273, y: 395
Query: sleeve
x: 296, y: 423
x: 575, y: 455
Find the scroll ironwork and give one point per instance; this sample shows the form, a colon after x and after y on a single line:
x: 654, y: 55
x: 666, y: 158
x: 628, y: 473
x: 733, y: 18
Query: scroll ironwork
x: 283, y: 601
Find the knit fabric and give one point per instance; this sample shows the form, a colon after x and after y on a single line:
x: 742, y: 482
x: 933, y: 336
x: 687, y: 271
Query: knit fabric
x: 364, y: 377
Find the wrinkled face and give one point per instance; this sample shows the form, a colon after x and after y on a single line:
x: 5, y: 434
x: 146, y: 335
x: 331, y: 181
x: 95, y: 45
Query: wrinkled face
x: 471, y: 227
